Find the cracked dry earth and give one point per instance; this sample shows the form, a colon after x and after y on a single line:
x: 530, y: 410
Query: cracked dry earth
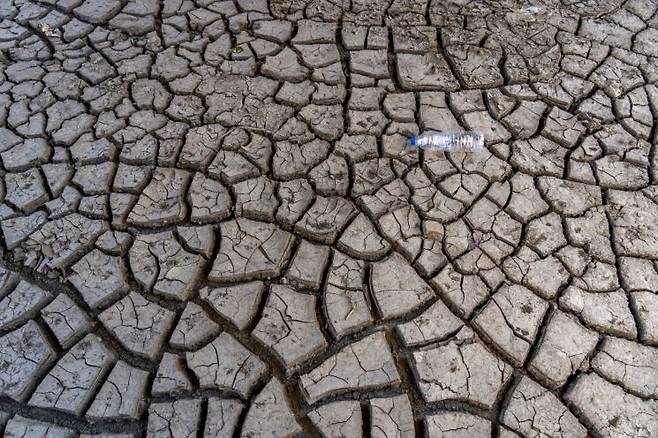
x: 212, y: 226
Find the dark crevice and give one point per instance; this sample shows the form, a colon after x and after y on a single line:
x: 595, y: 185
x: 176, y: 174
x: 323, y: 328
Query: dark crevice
x: 522, y: 34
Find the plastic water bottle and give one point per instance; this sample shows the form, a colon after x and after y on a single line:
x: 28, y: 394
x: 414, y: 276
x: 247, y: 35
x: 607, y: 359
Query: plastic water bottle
x: 467, y: 141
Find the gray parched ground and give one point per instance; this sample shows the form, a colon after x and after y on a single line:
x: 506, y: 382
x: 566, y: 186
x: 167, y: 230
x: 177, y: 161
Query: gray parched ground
x: 212, y: 226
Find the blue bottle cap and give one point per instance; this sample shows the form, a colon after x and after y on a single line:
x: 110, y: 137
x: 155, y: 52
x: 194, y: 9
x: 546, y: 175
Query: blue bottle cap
x: 412, y: 141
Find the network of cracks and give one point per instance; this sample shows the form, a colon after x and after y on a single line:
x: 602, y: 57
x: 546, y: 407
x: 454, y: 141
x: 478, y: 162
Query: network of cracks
x: 212, y: 225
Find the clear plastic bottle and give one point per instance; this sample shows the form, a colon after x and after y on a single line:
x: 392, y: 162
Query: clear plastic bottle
x: 468, y: 141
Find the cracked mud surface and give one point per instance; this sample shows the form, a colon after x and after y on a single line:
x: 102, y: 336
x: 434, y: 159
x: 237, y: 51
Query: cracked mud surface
x: 211, y: 224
